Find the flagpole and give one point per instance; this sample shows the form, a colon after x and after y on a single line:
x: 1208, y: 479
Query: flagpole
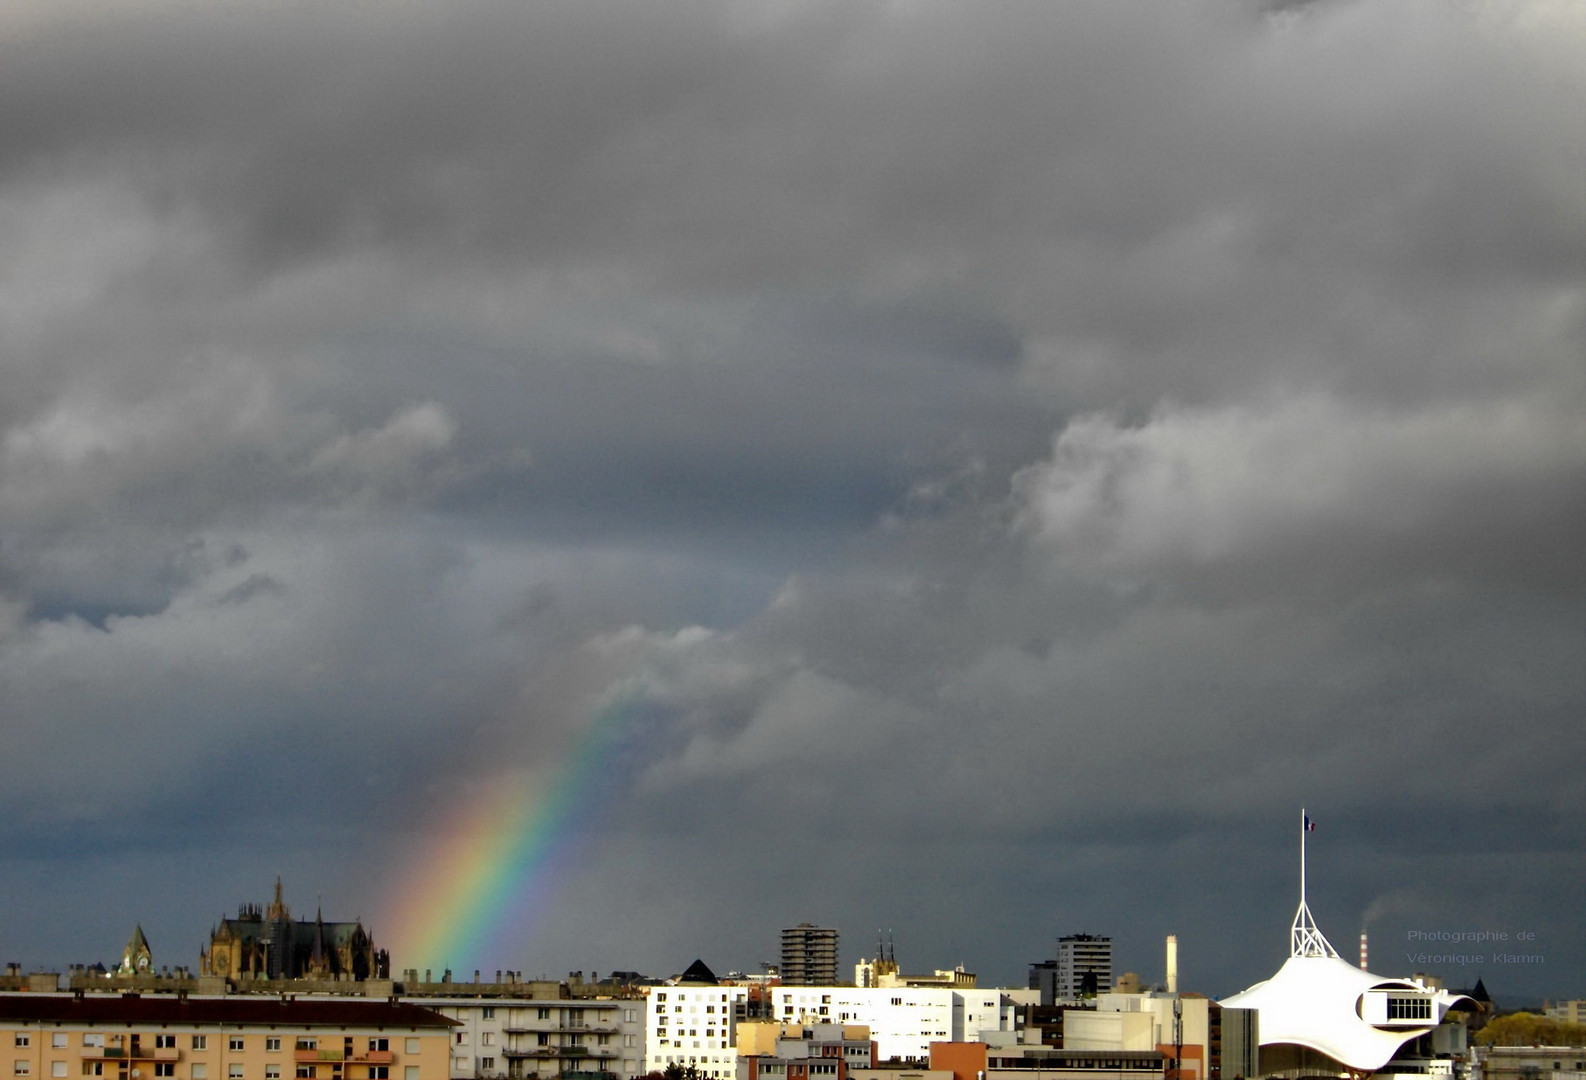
x: 1302, y: 856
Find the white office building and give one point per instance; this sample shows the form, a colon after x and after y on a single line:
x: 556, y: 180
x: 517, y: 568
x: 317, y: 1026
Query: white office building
x: 903, y: 1021
x: 694, y: 1025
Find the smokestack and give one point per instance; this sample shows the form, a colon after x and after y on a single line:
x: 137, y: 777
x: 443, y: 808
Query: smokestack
x: 1172, y: 963
x: 1362, y: 950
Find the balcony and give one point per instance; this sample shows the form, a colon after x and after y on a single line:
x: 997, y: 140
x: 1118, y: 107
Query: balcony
x: 532, y: 1027
x: 373, y: 1057
x: 310, y: 1057
x: 131, y: 1053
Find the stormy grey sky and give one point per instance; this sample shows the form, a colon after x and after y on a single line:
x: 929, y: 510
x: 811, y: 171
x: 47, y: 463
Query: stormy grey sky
x: 1007, y: 457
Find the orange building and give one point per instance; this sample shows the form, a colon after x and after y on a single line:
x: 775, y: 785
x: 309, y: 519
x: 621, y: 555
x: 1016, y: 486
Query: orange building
x: 130, y: 1037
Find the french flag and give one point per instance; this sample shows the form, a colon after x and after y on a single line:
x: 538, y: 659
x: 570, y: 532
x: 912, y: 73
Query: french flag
x: 1310, y: 826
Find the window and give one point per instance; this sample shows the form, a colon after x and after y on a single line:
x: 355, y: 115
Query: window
x: 487, y: 1038
x: 58, y: 1040
x: 200, y: 1071
x: 1409, y: 1008
x: 410, y: 1072
x: 234, y: 1042
x: 22, y: 1038
x: 272, y: 1072
x: 660, y: 997
x: 462, y: 1038
x: 165, y: 1042
x: 379, y: 1045
x: 379, y: 1072
x: 305, y: 1072
x: 486, y: 1064
x: 200, y: 1042
x: 489, y: 1012
x: 57, y: 1068
x: 165, y: 1068
x: 542, y: 1039
x: 93, y: 1068
x: 543, y: 1014
x: 234, y: 1071
x: 272, y: 1044
x: 305, y: 1042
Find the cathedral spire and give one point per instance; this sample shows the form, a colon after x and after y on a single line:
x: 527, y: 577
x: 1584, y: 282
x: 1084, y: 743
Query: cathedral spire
x: 278, y: 911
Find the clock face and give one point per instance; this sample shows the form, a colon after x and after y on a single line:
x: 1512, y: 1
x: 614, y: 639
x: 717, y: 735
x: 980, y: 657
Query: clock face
x: 219, y: 962
x: 143, y: 963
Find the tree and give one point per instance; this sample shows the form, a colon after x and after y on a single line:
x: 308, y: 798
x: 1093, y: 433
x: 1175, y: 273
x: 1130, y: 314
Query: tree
x: 1529, y: 1029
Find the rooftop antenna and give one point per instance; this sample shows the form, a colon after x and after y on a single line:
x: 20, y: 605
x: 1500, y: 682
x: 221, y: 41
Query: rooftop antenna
x: 1305, y: 938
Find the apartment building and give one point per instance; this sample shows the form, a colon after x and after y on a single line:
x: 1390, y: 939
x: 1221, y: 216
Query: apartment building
x: 496, y: 1038
x: 171, y: 1037
x: 809, y: 955
x: 1083, y: 966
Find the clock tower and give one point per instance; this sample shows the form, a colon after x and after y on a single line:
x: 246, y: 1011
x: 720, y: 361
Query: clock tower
x: 136, y: 958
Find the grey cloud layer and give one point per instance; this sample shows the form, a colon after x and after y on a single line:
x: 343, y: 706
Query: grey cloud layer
x: 1030, y: 442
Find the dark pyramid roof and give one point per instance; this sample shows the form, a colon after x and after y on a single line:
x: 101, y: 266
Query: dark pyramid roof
x: 1479, y: 991
x: 698, y: 973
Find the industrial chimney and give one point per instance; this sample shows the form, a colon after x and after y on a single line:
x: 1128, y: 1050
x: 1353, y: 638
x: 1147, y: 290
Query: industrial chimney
x: 1362, y: 950
x: 1172, y: 963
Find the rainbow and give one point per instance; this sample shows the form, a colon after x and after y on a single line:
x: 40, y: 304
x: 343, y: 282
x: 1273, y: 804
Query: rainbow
x: 494, y: 864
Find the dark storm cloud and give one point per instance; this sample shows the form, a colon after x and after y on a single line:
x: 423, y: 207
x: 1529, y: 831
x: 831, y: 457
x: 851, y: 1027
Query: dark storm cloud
x: 1026, y: 449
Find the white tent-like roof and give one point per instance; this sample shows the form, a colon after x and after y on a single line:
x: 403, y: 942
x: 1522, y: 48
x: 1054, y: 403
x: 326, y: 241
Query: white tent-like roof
x: 1321, y: 1002
x: 1315, y: 1002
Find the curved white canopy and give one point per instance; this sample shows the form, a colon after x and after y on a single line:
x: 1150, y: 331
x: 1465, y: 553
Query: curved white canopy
x: 1313, y: 1001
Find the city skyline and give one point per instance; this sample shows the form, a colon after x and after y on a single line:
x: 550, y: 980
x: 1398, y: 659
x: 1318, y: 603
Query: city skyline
x: 587, y: 485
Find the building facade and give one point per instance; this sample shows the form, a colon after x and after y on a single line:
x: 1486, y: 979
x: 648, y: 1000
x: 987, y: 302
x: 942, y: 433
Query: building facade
x: 903, y: 1021
x: 507, y: 1038
x: 1082, y: 966
x: 169, y: 1037
x: 694, y: 1025
x: 771, y: 1051
x: 809, y: 956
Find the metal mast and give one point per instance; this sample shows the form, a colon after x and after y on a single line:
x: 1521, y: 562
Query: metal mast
x: 1305, y: 938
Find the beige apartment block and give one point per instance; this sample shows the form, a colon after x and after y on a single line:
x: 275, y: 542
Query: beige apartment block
x: 169, y: 1037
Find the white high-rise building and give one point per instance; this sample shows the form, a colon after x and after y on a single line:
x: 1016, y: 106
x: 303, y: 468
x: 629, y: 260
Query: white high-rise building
x: 1084, y: 966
